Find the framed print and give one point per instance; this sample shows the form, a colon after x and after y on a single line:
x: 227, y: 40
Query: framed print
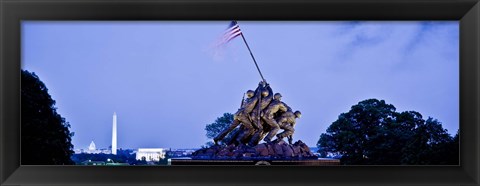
x: 155, y: 92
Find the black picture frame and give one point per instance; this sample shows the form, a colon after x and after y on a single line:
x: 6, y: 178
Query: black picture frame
x: 12, y: 12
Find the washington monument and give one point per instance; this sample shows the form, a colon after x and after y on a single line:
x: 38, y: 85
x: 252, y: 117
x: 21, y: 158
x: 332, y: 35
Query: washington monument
x: 114, y: 134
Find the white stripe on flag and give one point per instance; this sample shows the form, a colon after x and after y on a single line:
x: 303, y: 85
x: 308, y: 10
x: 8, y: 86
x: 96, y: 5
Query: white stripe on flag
x: 231, y: 33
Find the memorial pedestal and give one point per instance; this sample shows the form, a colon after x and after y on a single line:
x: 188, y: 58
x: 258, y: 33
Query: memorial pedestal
x: 318, y: 162
x: 273, y: 153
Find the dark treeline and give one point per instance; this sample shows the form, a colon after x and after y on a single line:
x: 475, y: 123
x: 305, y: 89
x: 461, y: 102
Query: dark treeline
x: 122, y: 156
x: 45, y: 134
x: 46, y: 138
x: 372, y: 133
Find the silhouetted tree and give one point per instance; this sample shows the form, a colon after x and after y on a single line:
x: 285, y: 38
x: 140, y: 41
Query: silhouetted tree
x: 164, y: 161
x: 220, y: 124
x: 373, y: 133
x: 45, y: 135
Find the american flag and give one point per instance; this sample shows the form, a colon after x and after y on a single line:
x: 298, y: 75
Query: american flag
x: 232, y: 32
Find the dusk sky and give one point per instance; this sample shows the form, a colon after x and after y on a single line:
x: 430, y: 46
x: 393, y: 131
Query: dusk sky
x: 167, y: 80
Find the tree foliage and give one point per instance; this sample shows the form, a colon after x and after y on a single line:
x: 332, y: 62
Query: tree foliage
x: 45, y: 135
x: 220, y: 124
x: 122, y: 156
x: 372, y: 132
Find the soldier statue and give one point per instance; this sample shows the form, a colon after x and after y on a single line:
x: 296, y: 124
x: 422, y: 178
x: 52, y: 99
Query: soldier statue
x: 265, y: 100
x: 261, y: 114
x: 286, y: 121
x: 242, y: 116
x: 268, y: 115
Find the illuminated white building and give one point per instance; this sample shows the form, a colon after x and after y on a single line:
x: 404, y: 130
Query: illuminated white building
x: 114, y: 134
x: 150, y: 154
x: 92, y: 147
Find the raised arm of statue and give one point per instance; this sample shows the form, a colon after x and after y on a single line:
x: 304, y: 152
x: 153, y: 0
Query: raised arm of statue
x: 270, y: 92
x: 258, y: 92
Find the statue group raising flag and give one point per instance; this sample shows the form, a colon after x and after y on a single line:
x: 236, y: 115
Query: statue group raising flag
x: 256, y: 111
x: 260, y: 117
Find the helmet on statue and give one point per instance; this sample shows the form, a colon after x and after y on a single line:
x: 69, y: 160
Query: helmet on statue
x: 298, y: 114
x: 250, y: 93
x: 277, y: 96
x: 265, y: 93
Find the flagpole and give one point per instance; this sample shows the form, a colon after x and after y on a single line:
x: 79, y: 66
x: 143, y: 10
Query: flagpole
x: 251, y: 54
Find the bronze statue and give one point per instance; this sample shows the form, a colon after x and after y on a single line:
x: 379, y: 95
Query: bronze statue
x: 268, y: 115
x: 287, y: 122
x: 261, y: 115
x: 267, y: 97
x: 242, y: 116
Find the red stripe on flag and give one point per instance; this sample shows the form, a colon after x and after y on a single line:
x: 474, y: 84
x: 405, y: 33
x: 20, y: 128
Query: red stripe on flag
x: 231, y: 33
